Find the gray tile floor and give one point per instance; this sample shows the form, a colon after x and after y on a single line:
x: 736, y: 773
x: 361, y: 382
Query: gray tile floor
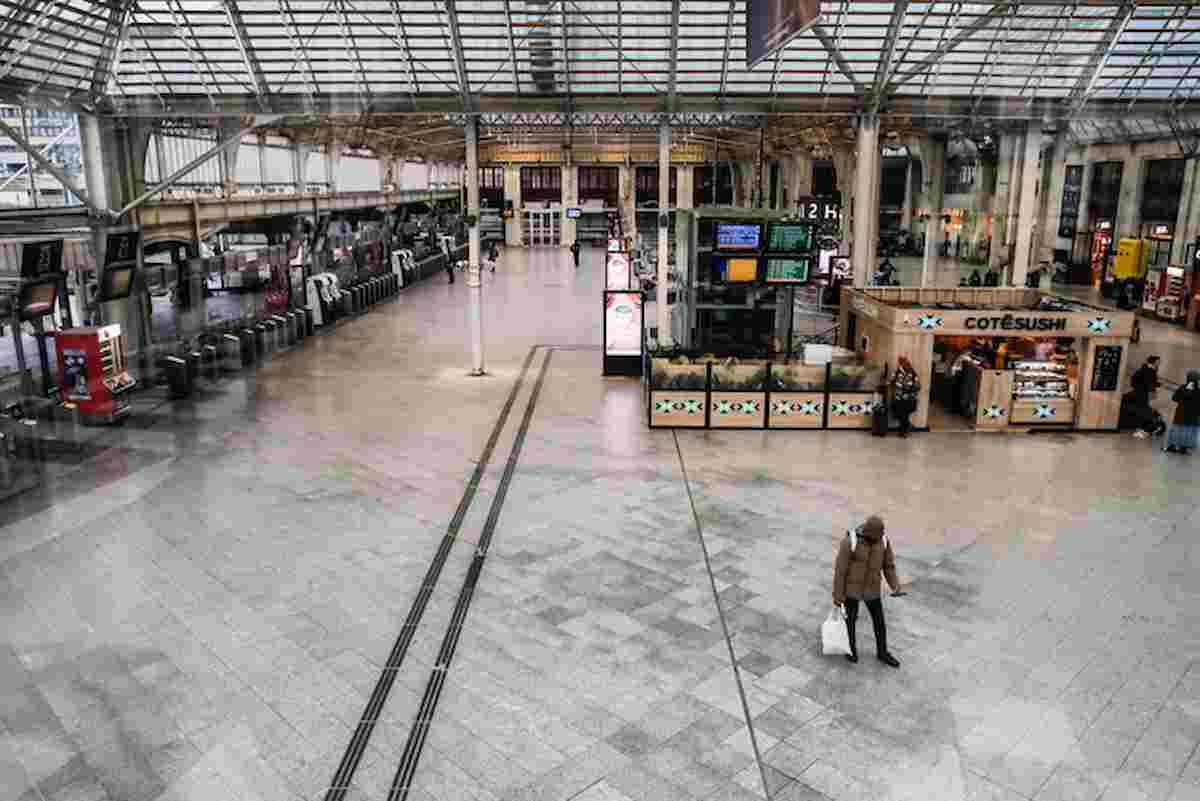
x: 204, y: 612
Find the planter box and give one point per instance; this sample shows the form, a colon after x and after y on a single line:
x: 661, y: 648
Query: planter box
x: 737, y: 409
x: 851, y: 409
x: 677, y: 409
x: 797, y: 410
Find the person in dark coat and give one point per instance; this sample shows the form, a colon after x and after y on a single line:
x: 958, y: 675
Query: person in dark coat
x: 1144, y: 382
x: 906, y: 391
x: 864, y: 555
x: 1185, y: 429
x: 575, y: 252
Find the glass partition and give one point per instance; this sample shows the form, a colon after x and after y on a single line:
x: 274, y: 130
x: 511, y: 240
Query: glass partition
x: 678, y: 374
x: 740, y: 377
x: 798, y: 378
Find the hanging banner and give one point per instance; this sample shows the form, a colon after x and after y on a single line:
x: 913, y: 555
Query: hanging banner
x: 771, y: 24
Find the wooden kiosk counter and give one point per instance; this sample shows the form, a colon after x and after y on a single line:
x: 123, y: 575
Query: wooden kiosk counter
x: 1075, y: 380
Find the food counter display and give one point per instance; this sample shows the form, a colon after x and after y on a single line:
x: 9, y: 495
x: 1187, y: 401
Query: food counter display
x: 708, y: 392
x: 1043, y: 392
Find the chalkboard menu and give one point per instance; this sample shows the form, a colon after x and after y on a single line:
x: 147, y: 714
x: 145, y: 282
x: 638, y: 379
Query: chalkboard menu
x: 1106, y: 369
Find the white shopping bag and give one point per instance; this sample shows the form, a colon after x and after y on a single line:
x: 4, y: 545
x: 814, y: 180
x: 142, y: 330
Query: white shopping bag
x: 835, y: 639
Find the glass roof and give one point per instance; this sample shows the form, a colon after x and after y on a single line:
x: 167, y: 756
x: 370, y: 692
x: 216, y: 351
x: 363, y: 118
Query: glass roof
x: 357, y: 52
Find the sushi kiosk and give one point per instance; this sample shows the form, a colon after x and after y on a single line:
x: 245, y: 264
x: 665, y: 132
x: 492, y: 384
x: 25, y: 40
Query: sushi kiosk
x: 93, y: 374
x: 997, y: 358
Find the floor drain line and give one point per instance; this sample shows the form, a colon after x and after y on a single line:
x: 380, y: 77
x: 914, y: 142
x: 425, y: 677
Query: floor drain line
x: 411, y: 756
x: 712, y: 580
x: 344, y: 776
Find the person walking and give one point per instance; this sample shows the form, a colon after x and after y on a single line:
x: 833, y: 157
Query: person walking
x: 575, y: 252
x: 863, y: 556
x: 1185, y: 429
x: 906, y: 389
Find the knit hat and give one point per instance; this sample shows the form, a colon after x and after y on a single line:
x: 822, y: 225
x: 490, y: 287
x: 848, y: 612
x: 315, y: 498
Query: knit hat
x: 1193, y: 376
x: 873, y: 527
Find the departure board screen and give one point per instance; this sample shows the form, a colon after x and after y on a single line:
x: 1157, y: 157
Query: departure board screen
x: 789, y: 237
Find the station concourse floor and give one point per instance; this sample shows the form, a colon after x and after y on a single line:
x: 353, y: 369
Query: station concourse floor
x: 203, y: 609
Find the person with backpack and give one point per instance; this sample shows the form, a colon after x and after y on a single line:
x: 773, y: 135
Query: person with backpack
x: 864, y: 555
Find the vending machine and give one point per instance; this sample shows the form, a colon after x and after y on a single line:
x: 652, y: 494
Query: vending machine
x: 93, y: 373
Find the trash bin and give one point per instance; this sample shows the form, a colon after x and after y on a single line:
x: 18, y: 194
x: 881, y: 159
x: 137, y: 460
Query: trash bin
x: 246, y: 340
x: 179, y: 381
x: 231, y: 353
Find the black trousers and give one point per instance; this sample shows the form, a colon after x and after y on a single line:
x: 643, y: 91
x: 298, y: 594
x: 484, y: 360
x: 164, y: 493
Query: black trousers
x: 903, y: 411
x: 875, y: 607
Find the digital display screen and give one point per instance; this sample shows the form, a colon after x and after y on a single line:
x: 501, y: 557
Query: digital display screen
x: 116, y: 284
x: 739, y: 236
x: 37, y: 300
x: 574, y: 213
x: 623, y: 323
x: 736, y: 270
x: 788, y: 271
x: 41, y: 258
x: 789, y: 237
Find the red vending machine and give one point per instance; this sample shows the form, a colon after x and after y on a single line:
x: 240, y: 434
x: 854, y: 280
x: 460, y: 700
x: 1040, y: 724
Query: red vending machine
x: 92, y: 372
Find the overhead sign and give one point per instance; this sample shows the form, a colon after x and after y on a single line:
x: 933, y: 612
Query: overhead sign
x: 818, y: 209
x: 771, y: 24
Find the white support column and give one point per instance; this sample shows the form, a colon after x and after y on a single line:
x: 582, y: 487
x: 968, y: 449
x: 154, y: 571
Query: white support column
x: 1001, y: 201
x: 802, y: 177
x: 1016, y: 168
x: 664, y: 246
x: 160, y: 156
x: 512, y: 192
x: 1129, y: 208
x: 229, y: 157
x: 474, y: 279
x: 684, y: 197
x: 865, y: 207
x: 1187, y: 222
x: 333, y: 163
x: 933, y: 172
x: 300, y: 153
x: 1027, y: 211
x: 96, y: 183
x: 262, y: 162
x: 627, y: 200
x: 844, y: 172
x: 1052, y: 197
x: 907, y: 213
x: 570, y: 197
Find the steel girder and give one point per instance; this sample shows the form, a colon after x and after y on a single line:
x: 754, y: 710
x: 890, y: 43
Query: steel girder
x: 610, y: 121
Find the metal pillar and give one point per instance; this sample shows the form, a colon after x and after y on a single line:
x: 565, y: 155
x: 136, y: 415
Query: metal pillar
x: 1027, y: 216
x: 262, y: 162
x: 864, y: 198
x: 664, y: 246
x: 160, y: 158
x: 474, y: 279
x: 92, y: 153
x: 906, y: 213
x: 1005, y: 158
x: 30, y: 164
x: 933, y: 171
x: 1014, y: 189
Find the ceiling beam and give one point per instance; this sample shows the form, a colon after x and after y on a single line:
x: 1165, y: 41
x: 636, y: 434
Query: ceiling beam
x: 20, y: 44
x: 840, y: 60
x: 979, y: 23
x: 512, y: 46
x: 674, y: 74
x: 725, y: 56
x: 565, y: 44
x: 460, y: 63
x: 1085, y: 86
x: 1169, y: 46
x: 402, y: 40
x: 109, y: 60
x: 246, y: 47
x: 884, y: 66
x: 352, y: 46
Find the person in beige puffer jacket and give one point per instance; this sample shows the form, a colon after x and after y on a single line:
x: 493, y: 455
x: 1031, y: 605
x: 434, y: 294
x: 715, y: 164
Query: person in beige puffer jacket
x: 856, y: 577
